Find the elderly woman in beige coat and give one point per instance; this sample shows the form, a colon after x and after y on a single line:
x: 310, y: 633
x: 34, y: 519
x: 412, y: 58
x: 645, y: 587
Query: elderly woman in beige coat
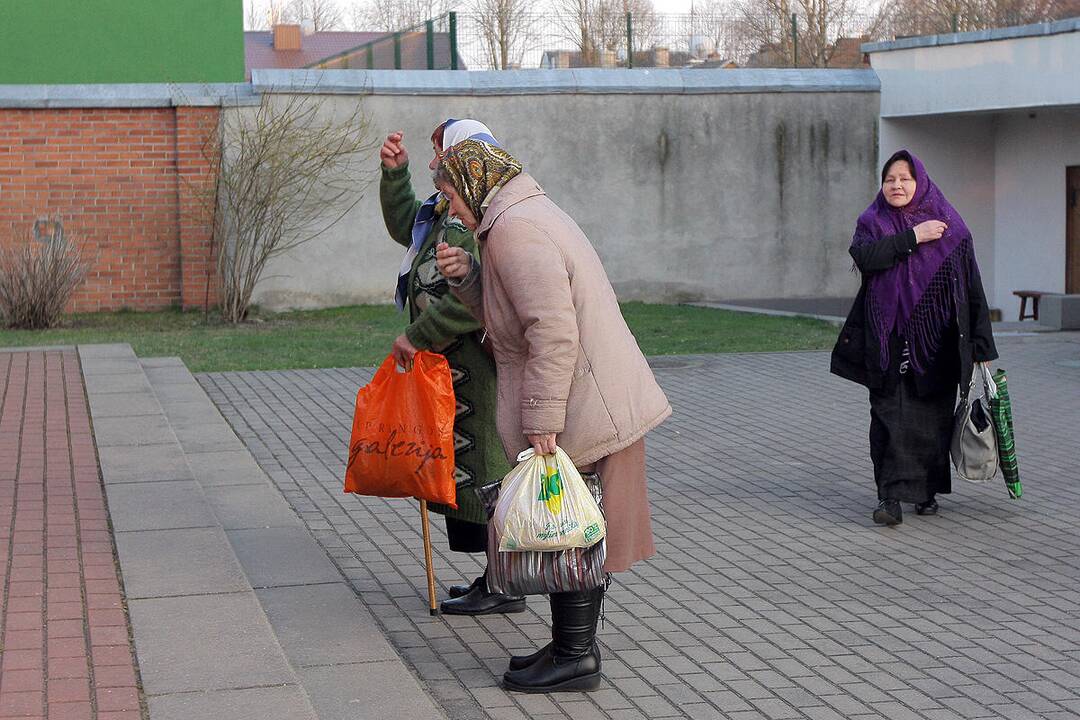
x: 568, y: 370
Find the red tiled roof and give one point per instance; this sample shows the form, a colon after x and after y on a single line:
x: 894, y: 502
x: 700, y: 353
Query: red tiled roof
x: 259, y: 52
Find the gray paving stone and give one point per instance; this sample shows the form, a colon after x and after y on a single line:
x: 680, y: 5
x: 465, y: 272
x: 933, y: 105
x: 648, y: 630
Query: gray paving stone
x: 193, y: 414
x: 225, y: 467
x: 146, y: 430
x: 123, y: 383
x: 250, y: 506
x: 272, y: 557
x: 159, y: 362
x: 158, y: 506
x: 143, y: 463
x: 175, y: 392
x: 206, y: 642
x: 324, y: 625
x: 770, y: 576
x: 106, y: 350
x: 266, y: 703
x: 178, y: 562
x: 375, y: 690
x: 124, y: 405
x: 206, y: 437
x: 110, y: 365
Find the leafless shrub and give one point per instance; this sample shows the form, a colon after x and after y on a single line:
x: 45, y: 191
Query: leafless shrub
x: 286, y: 172
x: 37, y: 278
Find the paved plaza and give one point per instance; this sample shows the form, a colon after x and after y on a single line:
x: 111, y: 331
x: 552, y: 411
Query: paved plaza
x: 167, y: 558
x: 772, y: 595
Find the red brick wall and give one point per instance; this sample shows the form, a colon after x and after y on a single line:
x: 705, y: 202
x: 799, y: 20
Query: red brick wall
x: 116, y: 177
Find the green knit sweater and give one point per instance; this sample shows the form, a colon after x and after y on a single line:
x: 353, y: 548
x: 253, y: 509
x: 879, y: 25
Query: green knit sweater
x: 441, y: 323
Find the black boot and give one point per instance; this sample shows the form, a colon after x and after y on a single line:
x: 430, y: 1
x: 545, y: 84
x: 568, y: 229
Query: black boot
x: 478, y: 601
x: 574, y: 660
x: 517, y: 662
x: 930, y: 507
x: 888, y: 512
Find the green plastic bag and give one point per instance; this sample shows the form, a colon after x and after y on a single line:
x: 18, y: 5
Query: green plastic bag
x: 1002, y: 416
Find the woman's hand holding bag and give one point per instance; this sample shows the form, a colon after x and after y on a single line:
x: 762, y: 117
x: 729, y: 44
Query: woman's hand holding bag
x: 544, y: 505
x: 402, y: 441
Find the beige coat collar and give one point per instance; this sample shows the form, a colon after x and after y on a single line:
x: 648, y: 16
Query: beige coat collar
x: 517, y: 189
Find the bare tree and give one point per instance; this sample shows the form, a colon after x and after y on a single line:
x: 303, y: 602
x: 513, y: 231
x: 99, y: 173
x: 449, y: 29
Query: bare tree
x: 937, y: 16
x: 287, y: 171
x: 255, y: 15
x: 322, y: 14
x: 390, y: 15
x: 505, y: 29
x: 768, y: 22
x: 821, y: 24
x: 600, y: 25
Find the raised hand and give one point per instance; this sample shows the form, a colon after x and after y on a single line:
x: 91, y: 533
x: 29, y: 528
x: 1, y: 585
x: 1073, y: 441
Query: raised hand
x: 393, y: 153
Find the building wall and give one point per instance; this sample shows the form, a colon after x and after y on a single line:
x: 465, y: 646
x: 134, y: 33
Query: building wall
x: 125, y: 183
x: 120, y: 41
x: 1031, y: 156
x: 935, y: 77
x: 687, y: 197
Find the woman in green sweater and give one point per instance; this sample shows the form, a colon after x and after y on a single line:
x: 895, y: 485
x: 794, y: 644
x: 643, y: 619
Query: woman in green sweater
x: 441, y: 323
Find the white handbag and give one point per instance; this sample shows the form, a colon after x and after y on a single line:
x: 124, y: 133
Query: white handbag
x: 974, y: 450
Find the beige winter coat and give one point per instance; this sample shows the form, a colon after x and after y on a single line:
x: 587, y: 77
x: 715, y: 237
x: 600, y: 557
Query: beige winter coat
x: 566, y: 361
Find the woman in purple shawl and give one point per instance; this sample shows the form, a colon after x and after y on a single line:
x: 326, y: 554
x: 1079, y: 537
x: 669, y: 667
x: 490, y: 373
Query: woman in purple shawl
x: 917, y: 328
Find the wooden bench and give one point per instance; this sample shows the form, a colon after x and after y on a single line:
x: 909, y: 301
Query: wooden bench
x: 1035, y: 296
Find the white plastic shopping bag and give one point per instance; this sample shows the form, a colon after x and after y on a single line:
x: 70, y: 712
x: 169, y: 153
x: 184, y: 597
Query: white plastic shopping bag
x: 545, y: 505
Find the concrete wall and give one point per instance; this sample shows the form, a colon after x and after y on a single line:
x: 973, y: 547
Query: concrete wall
x: 698, y: 185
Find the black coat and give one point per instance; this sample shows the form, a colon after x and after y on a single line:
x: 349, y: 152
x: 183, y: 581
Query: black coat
x: 857, y: 354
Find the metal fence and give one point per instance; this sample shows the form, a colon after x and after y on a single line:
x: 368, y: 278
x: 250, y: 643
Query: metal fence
x: 470, y: 41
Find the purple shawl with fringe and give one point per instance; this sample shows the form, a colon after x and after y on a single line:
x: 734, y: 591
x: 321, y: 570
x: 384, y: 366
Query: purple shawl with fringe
x: 919, y: 296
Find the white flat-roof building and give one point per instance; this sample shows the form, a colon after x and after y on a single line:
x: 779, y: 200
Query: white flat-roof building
x: 995, y: 116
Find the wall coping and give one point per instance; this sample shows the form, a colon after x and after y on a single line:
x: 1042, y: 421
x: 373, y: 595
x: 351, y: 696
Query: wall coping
x: 1007, y: 33
x: 584, y: 81
x: 132, y: 95
x: 588, y: 81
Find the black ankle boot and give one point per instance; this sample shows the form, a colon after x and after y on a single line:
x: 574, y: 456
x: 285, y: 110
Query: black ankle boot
x: 574, y: 660
x: 888, y: 512
x: 930, y: 507
x: 478, y: 601
x: 517, y: 662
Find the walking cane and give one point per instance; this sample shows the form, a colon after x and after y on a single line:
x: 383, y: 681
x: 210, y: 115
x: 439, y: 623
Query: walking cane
x: 433, y: 609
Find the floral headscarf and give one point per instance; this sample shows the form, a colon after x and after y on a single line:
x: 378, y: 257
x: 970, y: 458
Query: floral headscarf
x: 478, y: 170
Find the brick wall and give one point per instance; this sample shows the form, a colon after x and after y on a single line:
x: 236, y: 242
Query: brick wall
x: 124, y: 182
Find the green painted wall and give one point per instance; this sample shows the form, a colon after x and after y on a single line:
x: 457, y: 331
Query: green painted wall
x: 121, y: 41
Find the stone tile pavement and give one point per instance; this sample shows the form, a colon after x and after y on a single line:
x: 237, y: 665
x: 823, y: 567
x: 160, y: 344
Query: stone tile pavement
x: 66, y: 650
x: 773, y: 595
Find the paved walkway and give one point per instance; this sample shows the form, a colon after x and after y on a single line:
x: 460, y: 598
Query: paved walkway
x: 258, y: 590
x: 66, y: 652
x: 773, y: 594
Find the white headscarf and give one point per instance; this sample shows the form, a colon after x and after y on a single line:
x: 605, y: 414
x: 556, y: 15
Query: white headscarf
x: 454, y: 131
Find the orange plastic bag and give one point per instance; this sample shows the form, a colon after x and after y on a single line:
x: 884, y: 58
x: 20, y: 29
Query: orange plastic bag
x: 403, y: 433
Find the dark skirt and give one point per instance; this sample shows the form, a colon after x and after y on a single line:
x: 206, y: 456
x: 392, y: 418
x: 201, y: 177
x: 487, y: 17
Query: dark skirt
x: 909, y: 442
x: 464, y: 536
